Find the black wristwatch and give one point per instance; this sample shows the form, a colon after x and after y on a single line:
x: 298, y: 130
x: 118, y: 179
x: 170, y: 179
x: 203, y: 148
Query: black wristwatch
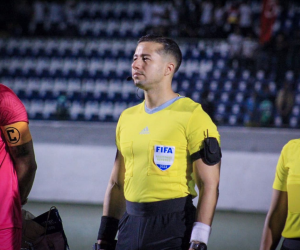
x: 198, y: 246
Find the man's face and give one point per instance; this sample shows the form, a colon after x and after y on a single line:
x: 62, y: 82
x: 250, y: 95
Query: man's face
x: 148, y: 66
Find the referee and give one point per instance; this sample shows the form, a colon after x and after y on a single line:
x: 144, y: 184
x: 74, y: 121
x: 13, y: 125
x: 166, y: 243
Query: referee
x: 283, y: 217
x: 165, y: 146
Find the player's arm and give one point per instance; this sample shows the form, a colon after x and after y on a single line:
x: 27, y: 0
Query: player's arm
x: 275, y: 221
x: 114, y: 202
x: 18, y: 139
x: 207, y: 179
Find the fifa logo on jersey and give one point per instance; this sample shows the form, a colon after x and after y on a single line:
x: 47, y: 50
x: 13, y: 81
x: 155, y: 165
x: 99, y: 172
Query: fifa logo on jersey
x: 164, y: 156
x: 167, y: 150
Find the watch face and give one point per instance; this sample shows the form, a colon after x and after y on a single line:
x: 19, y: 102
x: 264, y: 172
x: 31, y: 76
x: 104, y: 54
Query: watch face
x: 198, y: 246
x: 194, y: 245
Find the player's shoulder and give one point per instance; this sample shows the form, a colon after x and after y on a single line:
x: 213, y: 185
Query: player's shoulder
x: 8, y: 97
x: 292, y: 144
x: 133, y: 109
x: 187, y: 104
x: 6, y: 92
x: 11, y: 108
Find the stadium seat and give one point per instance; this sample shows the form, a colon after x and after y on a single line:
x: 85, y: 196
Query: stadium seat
x: 123, y: 68
x: 20, y: 86
x: 76, y: 110
x: 294, y: 122
x: 46, y: 88
x: 109, y: 66
x: 236, y: 108
x: 174, y: 85
x: 105, y: 111
x: 217, y: 74
x: 221, y: 109
x: 29, y: 67
x: 74, y: 88
x: 277, y: 121
x: 101, y: 88
x: 289, y: 75
x: 260, y: 75
x: 258, y: 86
x: 128, y: 90
x: 118, y: 108
x: 33, y: 88
x: 60, y: 87
x: 225, y: 97
x: 272, y: 87
x: 246, y: 75
x: 96, y: 66
x: 214, y: 85
x: 242, y: 86
x: 240, y: 97
x: 35, y: 110
x: 114, y: 88
x: 296, y: 110
x: 88, y: 87
x: 7, y: 81
x: 91, y: 111
x: 49, y: 109
x: 196, y: 96
x: 228, y: 86
x: 231, y: 75
x: 56, y: 67
x: 199, y: 85
x: 43, y: 67
x: 185, y: 85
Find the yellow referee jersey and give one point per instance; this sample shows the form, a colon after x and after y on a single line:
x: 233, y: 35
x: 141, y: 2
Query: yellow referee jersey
x: 156, y: 146
x: 287, y: 179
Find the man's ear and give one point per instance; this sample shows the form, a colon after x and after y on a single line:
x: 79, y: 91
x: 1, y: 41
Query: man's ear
x: 170, y: 69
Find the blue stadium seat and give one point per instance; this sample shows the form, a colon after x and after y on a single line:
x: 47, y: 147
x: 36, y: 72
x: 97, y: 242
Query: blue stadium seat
x: 74, y: 88
x: 214, y: 85
x: 114, y: 89
x: 49, y: 109
x: 295, y: 122
x: 91, y: 110
x: 76, y: 110
x: 35, y: 110
x: 128, y: 90
x: 88, y: 88
x: 60, y: 87
x: 105, y: 111
x: 118, y: 108
x: 33, y: 88
x: 46, y: 88
x: 101, y: 89
x: 240, y: 97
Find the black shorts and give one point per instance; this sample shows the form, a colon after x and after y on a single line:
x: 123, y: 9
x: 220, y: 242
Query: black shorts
x: 157, y: 225
x: 291, y: 244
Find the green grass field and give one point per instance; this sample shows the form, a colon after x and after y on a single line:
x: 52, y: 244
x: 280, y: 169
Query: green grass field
x: 230, y: 231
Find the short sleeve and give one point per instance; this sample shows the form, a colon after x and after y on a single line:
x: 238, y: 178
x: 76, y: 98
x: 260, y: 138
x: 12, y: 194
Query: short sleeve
x: 199, y: 127
x: 118, y: 134
x: 11, y: 108
x: 280, y: 181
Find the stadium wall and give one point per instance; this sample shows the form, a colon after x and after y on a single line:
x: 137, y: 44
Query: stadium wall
x: 75, y: 161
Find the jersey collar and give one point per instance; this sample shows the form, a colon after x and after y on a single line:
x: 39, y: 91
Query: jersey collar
x: 163, y: 106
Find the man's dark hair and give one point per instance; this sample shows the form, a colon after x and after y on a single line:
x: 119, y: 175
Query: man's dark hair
x: 170, y: 47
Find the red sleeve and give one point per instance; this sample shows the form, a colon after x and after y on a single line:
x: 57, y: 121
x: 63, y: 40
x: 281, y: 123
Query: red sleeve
x: 11, y: 108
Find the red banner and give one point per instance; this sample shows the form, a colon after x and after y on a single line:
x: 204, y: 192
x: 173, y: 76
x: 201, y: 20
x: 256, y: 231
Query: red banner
x: 268, y: 17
